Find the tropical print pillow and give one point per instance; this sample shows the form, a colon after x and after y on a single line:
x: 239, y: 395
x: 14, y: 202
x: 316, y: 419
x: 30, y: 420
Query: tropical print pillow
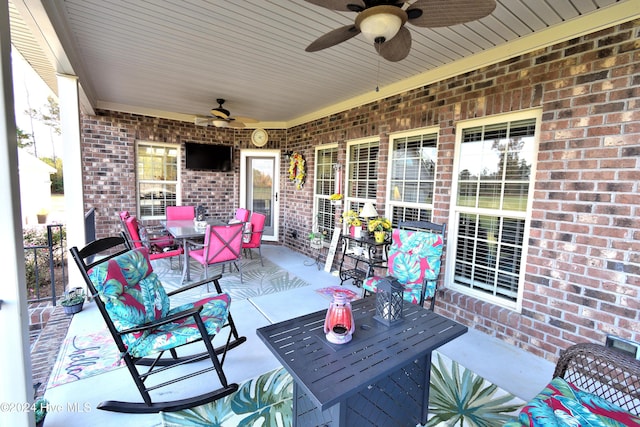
x: 133, y: 295
x: 414, y: 257
x: 563, y: 404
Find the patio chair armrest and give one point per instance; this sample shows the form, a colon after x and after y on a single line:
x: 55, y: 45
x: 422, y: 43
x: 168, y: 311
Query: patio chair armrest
x: 169, y: 319
x: 194, y: 243
x: 196, y: 284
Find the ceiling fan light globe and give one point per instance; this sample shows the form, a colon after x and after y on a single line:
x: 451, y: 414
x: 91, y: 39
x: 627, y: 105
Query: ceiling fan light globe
x: 220, y: 123
x: 380, y: 23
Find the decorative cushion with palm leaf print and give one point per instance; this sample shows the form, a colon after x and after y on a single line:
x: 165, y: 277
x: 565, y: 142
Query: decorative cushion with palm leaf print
x: 563, y: 404
x: 460, y: 397
x: 133, y: 295
x: 414, y: 257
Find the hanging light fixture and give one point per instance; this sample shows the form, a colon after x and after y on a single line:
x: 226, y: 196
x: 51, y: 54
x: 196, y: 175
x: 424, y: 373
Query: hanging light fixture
x: 220, y: 123
x: 380, y: 23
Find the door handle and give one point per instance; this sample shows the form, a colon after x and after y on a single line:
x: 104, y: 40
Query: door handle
x: 276, y: 197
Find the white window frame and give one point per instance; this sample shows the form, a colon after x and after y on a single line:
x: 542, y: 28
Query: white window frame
x: 456, y: 210
x: 140, y: 145
x: 390, y: 203
x: 316, y: 196
x: 349, y: 201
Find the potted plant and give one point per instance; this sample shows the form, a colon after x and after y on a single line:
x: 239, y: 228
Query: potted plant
x: 351, y: 218
x: 336, y: 199
x: 40, y: 410
x: 73, y: 300
x: 379, y: 227
x: 42, y: 216
x: 315, y: 240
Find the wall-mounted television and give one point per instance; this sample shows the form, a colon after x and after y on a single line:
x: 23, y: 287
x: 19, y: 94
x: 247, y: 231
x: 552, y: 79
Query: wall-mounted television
x: 213, y: 157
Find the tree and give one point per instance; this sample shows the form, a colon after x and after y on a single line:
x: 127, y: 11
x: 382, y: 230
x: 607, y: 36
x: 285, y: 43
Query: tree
x: 24, y: 139
x: 49, y: 115
x: 57, y: 182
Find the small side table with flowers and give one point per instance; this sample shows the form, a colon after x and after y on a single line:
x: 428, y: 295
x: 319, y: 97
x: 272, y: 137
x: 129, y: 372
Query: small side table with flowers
x: 362, y: 254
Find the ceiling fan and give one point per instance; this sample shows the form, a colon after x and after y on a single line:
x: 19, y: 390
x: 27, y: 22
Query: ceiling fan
x: 221, y: 117
x: 382, y: 22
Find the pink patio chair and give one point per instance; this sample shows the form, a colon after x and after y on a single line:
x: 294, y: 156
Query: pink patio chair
x: 174, y: 213
x: 242, y: 215
x: 222, y: 245
x: 253, y: 238
x: 159, y: 247
x: 157, y: 236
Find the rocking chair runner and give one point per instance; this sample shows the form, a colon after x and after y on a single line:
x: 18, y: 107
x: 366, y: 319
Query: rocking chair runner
x: 137, y: 312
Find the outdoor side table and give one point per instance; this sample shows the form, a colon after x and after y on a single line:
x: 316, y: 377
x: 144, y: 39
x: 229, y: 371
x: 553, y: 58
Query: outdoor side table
x: 380, y: 378
x: 374, y: 255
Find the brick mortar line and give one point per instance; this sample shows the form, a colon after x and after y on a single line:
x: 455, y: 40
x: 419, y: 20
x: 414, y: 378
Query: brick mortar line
x: 44, y: 351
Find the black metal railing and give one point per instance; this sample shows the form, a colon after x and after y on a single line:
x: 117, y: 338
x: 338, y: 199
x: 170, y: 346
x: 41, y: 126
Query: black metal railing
x: 90, y: 225
x: 37, y: 256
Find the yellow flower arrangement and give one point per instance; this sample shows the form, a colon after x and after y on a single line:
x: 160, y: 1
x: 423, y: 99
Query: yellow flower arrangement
x: 351, y: 218
x: 335, y: 196
x: 379, y: 224
x: 296, y: 170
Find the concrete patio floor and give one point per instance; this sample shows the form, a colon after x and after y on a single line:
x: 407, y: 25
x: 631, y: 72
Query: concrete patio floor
x: 508, y: 367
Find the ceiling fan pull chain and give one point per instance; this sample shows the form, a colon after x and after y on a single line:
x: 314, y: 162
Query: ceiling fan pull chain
x: 378, y: 76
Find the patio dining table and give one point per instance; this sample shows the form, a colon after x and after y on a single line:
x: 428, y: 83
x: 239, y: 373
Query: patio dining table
x: 185, y: 230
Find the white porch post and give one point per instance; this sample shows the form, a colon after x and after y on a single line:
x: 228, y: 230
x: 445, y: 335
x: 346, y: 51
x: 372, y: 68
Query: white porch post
x: 69, y: 101
x: 15, y: 356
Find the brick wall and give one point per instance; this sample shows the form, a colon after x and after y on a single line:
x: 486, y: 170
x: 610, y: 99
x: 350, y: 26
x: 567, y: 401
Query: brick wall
x: 108, y: 156
x: 582, y: 268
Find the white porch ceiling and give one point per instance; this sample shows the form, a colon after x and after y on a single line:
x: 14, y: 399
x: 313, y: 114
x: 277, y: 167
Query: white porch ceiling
x: 172, y: 59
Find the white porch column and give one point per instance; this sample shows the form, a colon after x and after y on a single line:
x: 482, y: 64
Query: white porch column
x: 69, y: 102
x: 15, y: 357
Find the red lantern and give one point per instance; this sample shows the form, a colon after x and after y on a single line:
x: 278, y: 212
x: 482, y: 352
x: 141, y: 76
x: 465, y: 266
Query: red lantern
x: 339, y: 324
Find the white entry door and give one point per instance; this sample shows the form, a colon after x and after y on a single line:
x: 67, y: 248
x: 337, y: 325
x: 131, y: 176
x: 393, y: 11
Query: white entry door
x: 259, y: 184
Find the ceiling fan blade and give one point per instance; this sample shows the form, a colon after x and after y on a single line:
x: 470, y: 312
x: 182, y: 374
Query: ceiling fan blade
x: 245, y: 119
x: 444, y: 13
x: 236, y: 124
x: 333, y: 38
x: 397, y: 48
x: 201, y: 121
x: 215, y: 112
x: 341, y: 5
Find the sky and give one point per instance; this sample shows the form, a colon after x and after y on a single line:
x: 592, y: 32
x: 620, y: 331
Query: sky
x: 30, y: 91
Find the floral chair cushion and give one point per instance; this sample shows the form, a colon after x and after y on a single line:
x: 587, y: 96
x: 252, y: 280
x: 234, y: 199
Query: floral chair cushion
x: 563, y: 404
x: 133, y: 296
x: 414, y: 258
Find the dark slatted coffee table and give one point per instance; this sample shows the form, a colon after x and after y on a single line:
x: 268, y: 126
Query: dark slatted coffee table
x: 380, y: 378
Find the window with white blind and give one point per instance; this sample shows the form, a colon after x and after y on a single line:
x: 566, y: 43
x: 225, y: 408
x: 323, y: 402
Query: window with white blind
x: 362, y: 173
x: 493, y: 186
x: 325, y: 185
x: 157, y: 167
x: 412, y: 172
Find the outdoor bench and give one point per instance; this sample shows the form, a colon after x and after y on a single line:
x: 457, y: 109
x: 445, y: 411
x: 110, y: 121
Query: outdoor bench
x: 592, y: 385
